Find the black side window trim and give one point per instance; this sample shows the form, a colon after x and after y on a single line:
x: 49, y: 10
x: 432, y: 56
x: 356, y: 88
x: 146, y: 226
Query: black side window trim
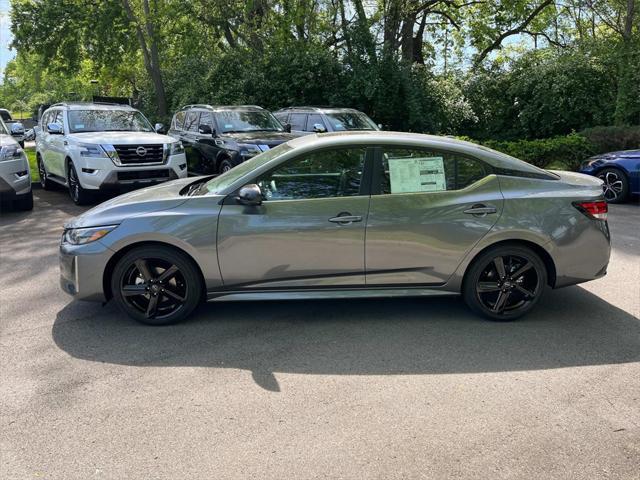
x: 376, y: 185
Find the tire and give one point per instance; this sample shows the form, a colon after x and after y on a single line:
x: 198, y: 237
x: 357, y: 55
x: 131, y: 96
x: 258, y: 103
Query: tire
x: 616, y: 185
x: 504, y: 297
x: 25, y: 202
x: 42, y: 172
x: 140, y: 276
x: 79, y: 195
x: 225, y: 166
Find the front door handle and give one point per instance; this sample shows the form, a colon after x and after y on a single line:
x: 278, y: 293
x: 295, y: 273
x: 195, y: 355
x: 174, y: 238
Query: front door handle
x: 345, y: 218
x: 481, y: 210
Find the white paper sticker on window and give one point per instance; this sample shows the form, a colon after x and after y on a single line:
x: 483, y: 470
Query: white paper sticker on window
x: 417, y: 174
x: 78, y: 126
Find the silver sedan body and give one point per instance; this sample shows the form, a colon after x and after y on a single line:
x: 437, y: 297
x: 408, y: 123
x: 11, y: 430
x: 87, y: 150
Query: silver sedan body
x: 417, y: 234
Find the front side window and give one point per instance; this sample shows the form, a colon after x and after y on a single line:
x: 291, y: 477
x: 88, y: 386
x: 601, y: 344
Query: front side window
x: 413, y: 170
x: 191, y: 122
x: 323, y: 174
x: 314, y: 121
x: 350, y: 121
x: 298, y: 121
x: 106, y: 121
x: 236, y: 121
x: 3, y: 128
x: 206, y: 118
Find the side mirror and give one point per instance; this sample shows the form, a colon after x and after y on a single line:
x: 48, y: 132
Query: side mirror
x: 159, y: 128
x: 287, y: 127
x: 250, y: 195
x: 205, y: 130
x: 17, y: 129
x: 319, y: 128
x: 380, y: 126
x: 54, y: 128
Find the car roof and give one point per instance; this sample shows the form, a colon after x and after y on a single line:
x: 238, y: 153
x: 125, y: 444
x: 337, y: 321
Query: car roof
x: 221, y: 108
x: 91, y: 106
x: 310, y: 109
x: 376, y: 137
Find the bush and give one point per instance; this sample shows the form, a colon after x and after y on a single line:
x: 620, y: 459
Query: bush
x: 567, y: 151
x: 610, y: 139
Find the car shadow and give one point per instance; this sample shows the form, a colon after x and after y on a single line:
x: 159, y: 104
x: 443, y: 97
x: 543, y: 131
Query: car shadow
x: 572, y: 327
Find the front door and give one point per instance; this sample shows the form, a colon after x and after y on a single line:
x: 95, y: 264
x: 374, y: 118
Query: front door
x: 428, y: 210
x: 309, y: 230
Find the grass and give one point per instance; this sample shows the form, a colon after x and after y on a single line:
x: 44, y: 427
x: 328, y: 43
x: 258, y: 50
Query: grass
x: 31, y: 155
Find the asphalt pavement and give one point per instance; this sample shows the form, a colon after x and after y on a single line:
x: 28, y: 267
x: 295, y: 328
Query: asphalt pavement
x: 366, y: 389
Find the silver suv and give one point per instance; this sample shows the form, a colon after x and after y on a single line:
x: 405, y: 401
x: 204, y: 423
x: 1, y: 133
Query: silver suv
x: 89, y: 147
x: 15, y: 176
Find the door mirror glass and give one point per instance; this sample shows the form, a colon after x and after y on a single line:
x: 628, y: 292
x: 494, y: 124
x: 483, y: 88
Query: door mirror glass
x: 287, y: 127
x: 54, y: 128
x: 204, y: 129
x: 319, y: 128
x: 250, y: 195
x: 17, y: 129
x: 159, y: 128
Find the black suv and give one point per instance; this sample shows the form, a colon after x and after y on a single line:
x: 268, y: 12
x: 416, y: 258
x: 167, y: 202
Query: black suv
x: 324, y: 119
x: 216, y: 139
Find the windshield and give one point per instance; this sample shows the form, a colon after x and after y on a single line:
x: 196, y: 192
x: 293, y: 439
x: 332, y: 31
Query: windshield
x: 108, y: 121
x: 3, y: 128
x: 221, y: 182
x: 238, y: 121
x: 350, y: 121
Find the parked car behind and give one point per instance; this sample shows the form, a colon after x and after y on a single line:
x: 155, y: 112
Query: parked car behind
x: 218, y: 138
x: 16, y: 129
x: 434, y: 215
x: 91, y: 147
x: 324, y: 119
x: 15, y: 175
x: 620, y: 172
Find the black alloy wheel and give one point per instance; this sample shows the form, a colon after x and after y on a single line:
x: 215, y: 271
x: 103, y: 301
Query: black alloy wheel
x: 615, y: 187
x: 156, y: 285
x: 505, y: 283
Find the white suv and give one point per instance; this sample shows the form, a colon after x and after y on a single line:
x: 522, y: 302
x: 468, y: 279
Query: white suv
x: 92, y: 146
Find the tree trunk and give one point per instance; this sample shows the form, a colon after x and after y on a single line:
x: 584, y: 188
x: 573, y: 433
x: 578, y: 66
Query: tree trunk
x: 627, y: 103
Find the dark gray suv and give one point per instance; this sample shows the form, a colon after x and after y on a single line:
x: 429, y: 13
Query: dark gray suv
x: 324, y: 119
x: 216, y: 139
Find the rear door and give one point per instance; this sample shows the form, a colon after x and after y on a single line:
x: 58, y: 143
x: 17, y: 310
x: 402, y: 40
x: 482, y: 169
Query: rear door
x: 429, y: 208
x: 309, y: 230
x: 56, y: 146
x: 189, y: 132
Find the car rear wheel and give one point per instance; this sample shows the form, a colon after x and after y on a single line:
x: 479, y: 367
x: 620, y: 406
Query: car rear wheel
x: 79, y: 195
x: 42, y: 172
x: 616, y: 185
x: 156, y: 285
x: 505, y: 282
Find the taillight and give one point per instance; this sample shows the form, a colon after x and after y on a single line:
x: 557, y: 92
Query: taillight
x: 597, y: 210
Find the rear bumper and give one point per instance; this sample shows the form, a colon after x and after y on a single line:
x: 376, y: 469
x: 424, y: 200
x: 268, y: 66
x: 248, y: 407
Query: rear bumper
x: 82, y: 269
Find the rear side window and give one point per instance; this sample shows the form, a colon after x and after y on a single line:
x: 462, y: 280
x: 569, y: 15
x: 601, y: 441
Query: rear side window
x: 191, y: 122
x: 178, y: 120
x: 298, y: 121
x: 412, y: 170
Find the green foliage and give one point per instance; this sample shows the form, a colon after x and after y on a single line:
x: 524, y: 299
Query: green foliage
x: 567, y: 150
x: 610, y: 139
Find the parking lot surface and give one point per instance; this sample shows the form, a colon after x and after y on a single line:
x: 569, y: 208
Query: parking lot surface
x: 366, y: 389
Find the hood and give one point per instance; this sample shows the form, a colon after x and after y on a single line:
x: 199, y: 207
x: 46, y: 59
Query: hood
x: 261, y: 138
x: 122, y: 138
x: 619, y: 154
x: 139, y: 202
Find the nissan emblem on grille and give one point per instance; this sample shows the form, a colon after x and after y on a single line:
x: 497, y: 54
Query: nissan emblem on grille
x: 141, y: 151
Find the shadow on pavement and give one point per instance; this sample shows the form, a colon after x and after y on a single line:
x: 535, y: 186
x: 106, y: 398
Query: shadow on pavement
x: 571, y: 327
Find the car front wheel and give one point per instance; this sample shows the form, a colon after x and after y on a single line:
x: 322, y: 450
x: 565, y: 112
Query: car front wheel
x: 616, y: 185
x: 156, y: 285
x: 79, y: 195
x: 505, y: 282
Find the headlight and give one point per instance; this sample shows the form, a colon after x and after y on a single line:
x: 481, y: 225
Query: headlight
x: 90, y: 150
x: 80, y: 236
x: 10, y: 152
x: 249, y: 150
x: 176, y: 148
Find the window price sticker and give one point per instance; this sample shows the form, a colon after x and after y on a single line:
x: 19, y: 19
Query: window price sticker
x: 417, y: 174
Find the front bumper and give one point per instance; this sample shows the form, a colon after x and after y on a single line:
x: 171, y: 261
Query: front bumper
x: 82, y: 270
x: 101, y: 174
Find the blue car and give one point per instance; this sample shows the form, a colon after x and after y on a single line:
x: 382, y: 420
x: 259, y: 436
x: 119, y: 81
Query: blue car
x: 620, y: 172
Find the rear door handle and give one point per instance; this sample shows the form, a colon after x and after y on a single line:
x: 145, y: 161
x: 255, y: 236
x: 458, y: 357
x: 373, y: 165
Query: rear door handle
x: 481, y: 210
x: 345, y: 218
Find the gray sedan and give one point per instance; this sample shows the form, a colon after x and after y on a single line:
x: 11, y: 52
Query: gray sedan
x: 344, y: 214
